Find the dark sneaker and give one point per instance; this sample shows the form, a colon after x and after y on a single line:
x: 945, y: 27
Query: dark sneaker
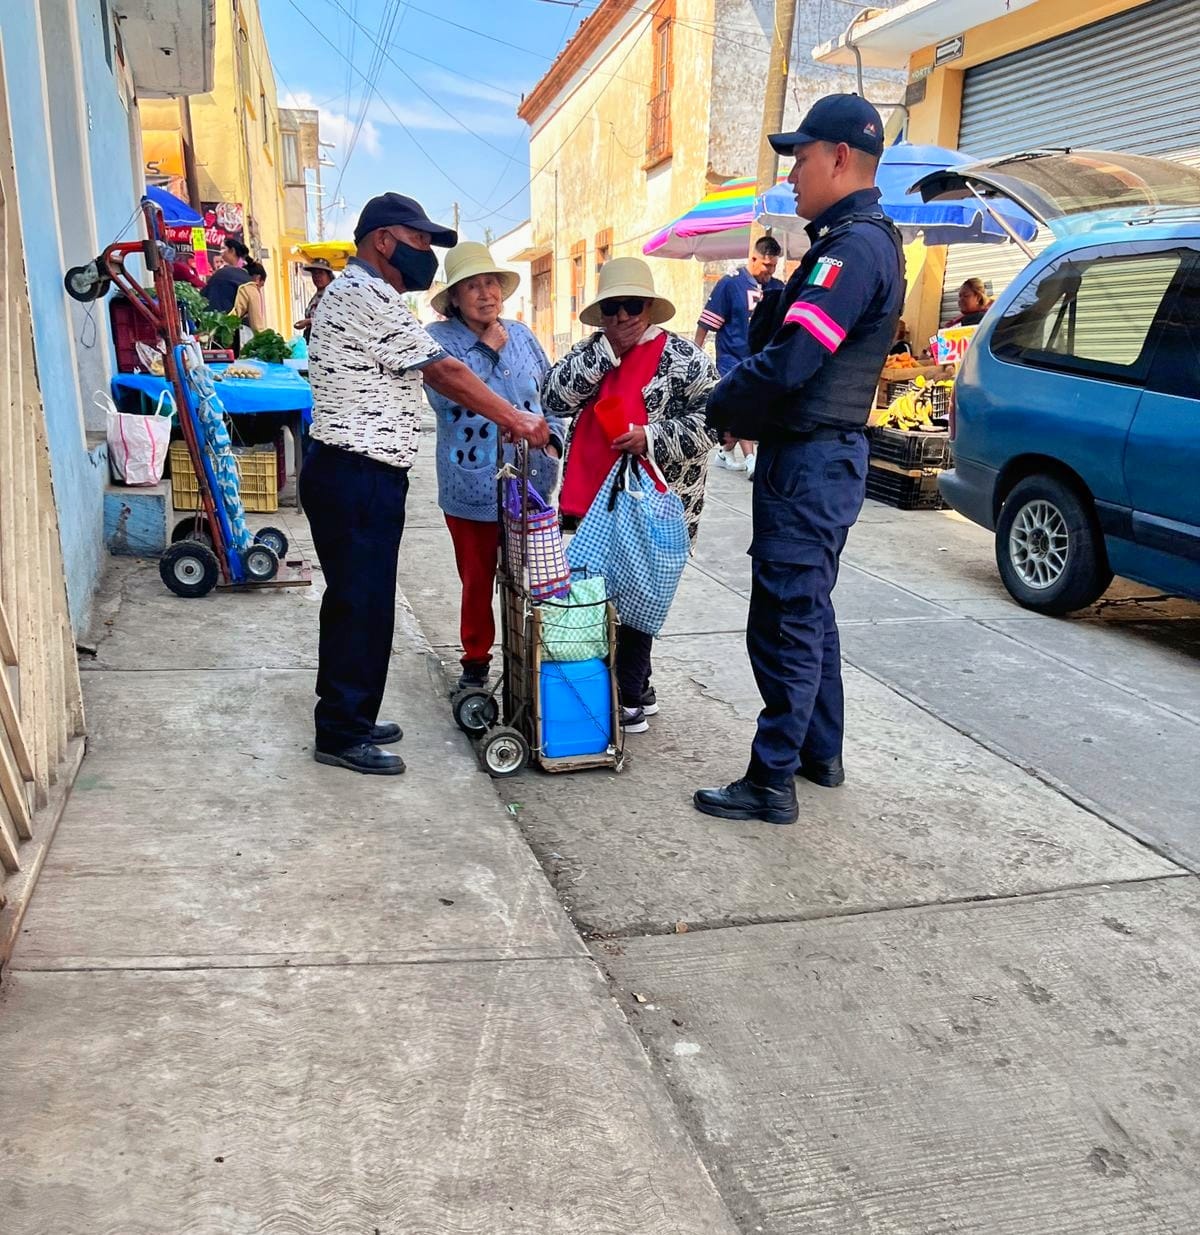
x: 650, y: 701
x: 633, y: 720
x: 473, y: 677
x: 364, y: 758
x: 828, y: 773
x: 385, y: 733
x: 746, y: 800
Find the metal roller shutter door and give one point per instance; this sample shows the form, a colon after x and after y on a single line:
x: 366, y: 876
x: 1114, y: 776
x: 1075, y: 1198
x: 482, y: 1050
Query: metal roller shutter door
x: 1125, y: 83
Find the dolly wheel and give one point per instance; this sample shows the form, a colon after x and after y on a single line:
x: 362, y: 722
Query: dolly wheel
x: 194, y: 527
x: 504, y: 752
x: 189, y: 569
x: 273, y: 538
x: 475, y: 711
x: 261, y: 563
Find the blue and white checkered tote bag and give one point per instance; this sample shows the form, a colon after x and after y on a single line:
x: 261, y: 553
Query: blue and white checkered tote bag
x: 637, y: 539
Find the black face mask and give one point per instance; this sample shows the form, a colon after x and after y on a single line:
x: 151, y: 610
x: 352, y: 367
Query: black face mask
x: 417, y: 266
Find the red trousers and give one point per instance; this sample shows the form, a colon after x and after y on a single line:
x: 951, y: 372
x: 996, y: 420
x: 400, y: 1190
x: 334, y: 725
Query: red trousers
x: 476, y: 546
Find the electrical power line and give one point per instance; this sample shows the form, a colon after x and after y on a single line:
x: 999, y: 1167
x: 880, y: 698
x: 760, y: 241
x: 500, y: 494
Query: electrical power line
x: 434, y: 163
x: 381, y: 48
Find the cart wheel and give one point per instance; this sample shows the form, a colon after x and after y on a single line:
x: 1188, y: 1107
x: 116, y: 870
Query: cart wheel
x: 273, y: 538
x: 261, y: 563
x: 504, y: 752
x: 194, y: 527
x: 189, y: 568
x: 475, y: 711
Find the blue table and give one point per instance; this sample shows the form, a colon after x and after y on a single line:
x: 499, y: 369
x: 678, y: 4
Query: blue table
x: 280, y: 390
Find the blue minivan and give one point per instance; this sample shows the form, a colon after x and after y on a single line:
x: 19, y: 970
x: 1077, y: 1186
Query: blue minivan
x: 1076, y: 416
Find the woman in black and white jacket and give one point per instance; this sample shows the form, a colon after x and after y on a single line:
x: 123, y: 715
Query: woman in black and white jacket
x: 663, y: 382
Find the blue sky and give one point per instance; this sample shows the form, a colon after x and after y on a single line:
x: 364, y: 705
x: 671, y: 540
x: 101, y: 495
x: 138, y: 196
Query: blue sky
x: 462, y: 72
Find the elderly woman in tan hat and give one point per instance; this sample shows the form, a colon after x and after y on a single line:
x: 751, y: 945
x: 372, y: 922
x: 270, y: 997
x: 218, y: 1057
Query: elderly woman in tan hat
x: 508, y: 359
x: 663, y: 381
x: 322, y: 274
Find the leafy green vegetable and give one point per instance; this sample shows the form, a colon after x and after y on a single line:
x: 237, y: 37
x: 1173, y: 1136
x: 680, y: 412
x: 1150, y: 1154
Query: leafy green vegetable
x: 217, y: 329
x: 269, y: 346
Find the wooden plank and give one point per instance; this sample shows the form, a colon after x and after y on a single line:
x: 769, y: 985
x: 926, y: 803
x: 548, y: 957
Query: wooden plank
x: 8, y: 643
x: 12, y: 789
x: 12, y: 726
x: 8, y: 848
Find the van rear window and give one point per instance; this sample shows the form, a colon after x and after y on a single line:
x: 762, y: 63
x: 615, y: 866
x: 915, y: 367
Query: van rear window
x: 1093, y: 315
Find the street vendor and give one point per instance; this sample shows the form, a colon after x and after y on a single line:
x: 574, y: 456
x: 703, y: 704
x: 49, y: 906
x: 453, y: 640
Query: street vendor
x: 973, y: 304
x: 506, y: 356
x: 322, y: 274
x: 368, y: 360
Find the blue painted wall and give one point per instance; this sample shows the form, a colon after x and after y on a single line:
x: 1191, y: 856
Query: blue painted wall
x: 79, y: 473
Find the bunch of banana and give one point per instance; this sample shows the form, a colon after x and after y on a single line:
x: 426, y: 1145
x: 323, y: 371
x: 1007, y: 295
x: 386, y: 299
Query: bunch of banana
x: 912, y: 410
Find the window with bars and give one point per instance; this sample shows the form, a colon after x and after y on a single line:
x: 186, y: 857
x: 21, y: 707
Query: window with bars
x: 658, y: 127
x: 578, y: 252
x: 603, y: 247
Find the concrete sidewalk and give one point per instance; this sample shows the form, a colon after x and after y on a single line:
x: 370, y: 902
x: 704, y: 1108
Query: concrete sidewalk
x: 255, y: 994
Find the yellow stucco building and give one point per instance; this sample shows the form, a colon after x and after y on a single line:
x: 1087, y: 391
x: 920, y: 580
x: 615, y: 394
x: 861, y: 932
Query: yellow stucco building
x: 228, y: 150
x: 648, y: 107
x: 996, y: 77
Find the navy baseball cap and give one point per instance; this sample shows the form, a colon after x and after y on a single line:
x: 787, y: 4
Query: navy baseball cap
x: 836, y: 118
x: 396, y: 210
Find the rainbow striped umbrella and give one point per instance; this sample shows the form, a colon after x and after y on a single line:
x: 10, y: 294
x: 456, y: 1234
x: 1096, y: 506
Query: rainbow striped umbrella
x: 716, y: 229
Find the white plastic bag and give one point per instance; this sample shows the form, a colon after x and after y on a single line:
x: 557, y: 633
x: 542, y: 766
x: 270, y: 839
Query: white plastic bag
x: 137, y: 445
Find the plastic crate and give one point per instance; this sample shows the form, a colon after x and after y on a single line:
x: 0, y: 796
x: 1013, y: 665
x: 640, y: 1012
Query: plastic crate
x: 129, y: 328
x: 910, y: 448
x: 905, y: 490
x: 256, y: 466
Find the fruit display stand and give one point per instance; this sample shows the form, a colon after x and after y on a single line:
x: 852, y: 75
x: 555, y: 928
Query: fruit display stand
x: 894, y: 377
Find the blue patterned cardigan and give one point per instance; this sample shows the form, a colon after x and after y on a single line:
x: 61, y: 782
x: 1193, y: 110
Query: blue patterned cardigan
x: 466, y: 442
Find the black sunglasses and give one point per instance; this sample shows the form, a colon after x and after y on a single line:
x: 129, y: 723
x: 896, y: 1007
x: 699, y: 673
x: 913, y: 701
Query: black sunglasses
x: 633, y: 305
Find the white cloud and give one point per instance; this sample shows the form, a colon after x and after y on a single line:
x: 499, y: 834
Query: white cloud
x: 336, y: 127
x: 505, y: 95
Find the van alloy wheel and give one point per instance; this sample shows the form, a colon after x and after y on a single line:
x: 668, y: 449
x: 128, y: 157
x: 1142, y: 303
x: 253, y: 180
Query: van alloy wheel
x: 1039, y: 544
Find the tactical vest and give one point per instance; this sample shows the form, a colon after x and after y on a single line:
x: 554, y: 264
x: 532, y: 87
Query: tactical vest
x: 842, y: 391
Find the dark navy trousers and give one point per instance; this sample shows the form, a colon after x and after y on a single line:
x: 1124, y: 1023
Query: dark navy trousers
x: 355, y: 508
x: 807, y: 495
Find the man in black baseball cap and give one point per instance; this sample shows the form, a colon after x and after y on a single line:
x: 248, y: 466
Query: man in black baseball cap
x: 369, y: 361
x: 806, y: 397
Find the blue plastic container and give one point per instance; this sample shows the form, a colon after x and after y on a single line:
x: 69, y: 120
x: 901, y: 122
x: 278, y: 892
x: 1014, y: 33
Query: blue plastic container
x: 576, y: 706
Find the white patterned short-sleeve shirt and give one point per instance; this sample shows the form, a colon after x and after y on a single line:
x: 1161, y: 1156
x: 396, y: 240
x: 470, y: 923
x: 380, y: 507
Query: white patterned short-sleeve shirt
x: 364, y: 363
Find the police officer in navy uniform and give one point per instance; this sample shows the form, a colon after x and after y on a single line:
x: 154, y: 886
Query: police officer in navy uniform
x: 806, y: 397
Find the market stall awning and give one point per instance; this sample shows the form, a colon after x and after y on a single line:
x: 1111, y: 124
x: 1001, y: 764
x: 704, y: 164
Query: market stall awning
x: 961, y: 221
x: 716, y: 229
x: 887, y: 41
x: 174, y: 209
x: 335, y: 252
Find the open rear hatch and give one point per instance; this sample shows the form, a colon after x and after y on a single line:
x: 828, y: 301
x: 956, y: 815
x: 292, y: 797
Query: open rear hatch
x: 1068, y: 190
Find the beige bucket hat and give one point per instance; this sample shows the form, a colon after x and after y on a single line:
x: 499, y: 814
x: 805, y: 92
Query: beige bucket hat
x: 626, y: 277
x: 465, y: 261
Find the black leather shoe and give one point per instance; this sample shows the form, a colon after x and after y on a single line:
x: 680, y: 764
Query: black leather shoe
x: 746, y: 800
x: 385, y: 733
x: 828, y: 773
x: 365, y: 758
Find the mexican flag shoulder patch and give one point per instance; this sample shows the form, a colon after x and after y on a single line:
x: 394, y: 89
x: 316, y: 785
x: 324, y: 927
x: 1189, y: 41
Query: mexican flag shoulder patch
x: 824, y: 272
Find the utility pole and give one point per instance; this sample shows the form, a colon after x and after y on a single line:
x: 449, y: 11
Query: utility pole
x: 456, y: 216
x: 774, y: 98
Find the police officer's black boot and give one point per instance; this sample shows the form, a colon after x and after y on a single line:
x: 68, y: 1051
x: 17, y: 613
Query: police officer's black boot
x: 746, y: 800
x: 828, y: 773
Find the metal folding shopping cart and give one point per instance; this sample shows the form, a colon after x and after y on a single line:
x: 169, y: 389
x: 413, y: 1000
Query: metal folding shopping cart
x: 213, y: 547
x: 507, y: 719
